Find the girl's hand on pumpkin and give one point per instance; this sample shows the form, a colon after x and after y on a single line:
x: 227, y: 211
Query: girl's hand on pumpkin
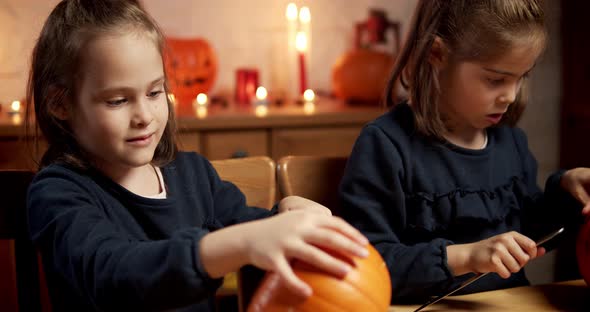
x: 577, y: 182
x: 272, y: 243
x: 504, y: 254
x: 291, y: 203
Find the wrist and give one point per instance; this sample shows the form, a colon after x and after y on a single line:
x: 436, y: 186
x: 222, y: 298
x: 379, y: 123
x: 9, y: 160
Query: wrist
x: 458, y: 259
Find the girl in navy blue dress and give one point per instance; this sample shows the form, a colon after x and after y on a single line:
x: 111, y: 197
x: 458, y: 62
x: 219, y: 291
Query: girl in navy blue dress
x: 444, y: 185
x: 124, y: 222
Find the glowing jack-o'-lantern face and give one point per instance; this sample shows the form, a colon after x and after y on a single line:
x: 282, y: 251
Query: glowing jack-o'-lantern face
x: 191, y: 66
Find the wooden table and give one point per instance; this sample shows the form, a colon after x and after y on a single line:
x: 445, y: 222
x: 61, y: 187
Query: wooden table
x: 563, y: 296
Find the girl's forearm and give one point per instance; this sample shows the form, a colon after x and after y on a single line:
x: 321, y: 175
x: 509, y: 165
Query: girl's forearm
x: 224, y: 251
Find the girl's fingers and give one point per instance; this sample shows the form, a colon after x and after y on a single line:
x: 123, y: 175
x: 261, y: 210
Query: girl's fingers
x: 321, y: 260
x: 500, y: 267
x: 523, y: 249
x: 508, y: 260
x: 292, y: 282
x: 336, y: 241
x: 346, y: 229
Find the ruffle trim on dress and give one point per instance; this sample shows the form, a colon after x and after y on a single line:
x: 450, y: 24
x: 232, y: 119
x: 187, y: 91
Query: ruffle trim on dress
x: 436, y: 212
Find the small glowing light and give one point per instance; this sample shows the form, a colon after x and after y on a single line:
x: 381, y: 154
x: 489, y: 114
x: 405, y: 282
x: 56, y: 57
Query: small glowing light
x: 301, y: 41
x: 261, y: 93
x: 291, y: 12
x: 261, y: 110
x: 308, y: 95
x: 172, y: 98
x: 201, y: 111
x: 202, y: 99
x: 304, y: 15
x: 15, y: 106
x: 308, y: 108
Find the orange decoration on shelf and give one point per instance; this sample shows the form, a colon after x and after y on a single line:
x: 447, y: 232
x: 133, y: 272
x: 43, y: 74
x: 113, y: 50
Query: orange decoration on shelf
x: 366, y: 288
x: 191, y: 66
x: 583, y: 250
x: 361, y: 75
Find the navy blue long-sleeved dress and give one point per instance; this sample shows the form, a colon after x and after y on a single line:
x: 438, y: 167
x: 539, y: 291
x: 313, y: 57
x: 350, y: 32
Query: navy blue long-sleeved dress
x: 107, y: 249
x: 412, y: 197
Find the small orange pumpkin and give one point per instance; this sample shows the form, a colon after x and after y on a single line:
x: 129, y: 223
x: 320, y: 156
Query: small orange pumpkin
x: 366, y: 288
x: 583, y: 250
x: 191, y: 67
x: 361, y: 75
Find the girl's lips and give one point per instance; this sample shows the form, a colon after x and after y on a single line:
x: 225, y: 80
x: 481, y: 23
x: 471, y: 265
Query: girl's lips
x: 494, y: 118
x: 142, y: 140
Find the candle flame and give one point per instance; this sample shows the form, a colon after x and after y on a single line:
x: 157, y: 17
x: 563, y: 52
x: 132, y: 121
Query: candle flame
x: 15, y: 106
x: 308, y: 95
x: 291, y: 12
x: 261, y: 93
x: 304, y: 15
x: 202, y: 99
x: 301, y: 41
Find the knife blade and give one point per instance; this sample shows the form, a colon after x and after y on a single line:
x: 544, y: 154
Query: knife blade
x: 477, y: 277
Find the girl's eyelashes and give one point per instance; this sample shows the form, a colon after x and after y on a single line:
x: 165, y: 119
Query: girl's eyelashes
x: 496, y: 81
x: 116, y: 102
x: 155, y: 94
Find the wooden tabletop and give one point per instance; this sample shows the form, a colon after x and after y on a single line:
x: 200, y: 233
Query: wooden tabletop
x: 563, y: 296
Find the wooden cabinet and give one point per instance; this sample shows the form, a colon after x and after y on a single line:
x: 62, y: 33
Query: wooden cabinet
x: 228, y: 132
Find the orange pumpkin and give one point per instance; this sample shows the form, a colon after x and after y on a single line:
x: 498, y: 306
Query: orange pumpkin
x: 191, y: 67
x: 366, y: 288
x: 361, y: 75
x: 583, y: 251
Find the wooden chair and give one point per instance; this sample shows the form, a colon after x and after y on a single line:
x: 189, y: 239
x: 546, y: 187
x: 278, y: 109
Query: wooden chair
x: 256, y: 178
x: 313, y: 177
x: 19, y: 267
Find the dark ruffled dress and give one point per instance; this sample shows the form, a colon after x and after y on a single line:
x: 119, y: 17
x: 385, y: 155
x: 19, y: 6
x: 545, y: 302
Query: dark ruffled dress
x: 412, y: 197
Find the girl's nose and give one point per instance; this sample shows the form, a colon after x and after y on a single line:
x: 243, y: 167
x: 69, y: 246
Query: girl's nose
x: 142, y: 114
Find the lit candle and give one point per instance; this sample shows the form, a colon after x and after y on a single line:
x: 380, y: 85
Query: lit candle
x: 301, y: 45
x: 15, y: 107
x: 308, y: 95
x: 261, y: 103
x: 308, y: 104
x: 202, y: 99
x: 290, y: 70
x: 200, y: 105
x: 261, y: 95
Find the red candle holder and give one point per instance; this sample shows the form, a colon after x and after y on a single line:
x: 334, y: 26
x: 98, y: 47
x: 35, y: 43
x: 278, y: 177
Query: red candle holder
x: 246, y: 84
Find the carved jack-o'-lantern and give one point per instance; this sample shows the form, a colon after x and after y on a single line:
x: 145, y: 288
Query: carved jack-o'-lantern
x: 583, y: 250
x: 366, y: 288
x: 191, y: 66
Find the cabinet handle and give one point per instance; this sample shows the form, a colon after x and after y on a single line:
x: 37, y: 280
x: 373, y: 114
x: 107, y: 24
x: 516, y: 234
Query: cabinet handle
x: 239, y: 154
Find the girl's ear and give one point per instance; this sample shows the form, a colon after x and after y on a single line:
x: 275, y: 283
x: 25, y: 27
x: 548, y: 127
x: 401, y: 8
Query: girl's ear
x: 438, y: 53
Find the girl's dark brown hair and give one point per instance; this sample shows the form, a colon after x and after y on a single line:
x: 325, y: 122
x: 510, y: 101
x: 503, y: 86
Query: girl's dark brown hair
x: 56, y: 63
x: 471, y: 30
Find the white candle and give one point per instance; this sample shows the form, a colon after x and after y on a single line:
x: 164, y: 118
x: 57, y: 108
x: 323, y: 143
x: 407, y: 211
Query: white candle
x: 305, y: 27
x: 291, y: 70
